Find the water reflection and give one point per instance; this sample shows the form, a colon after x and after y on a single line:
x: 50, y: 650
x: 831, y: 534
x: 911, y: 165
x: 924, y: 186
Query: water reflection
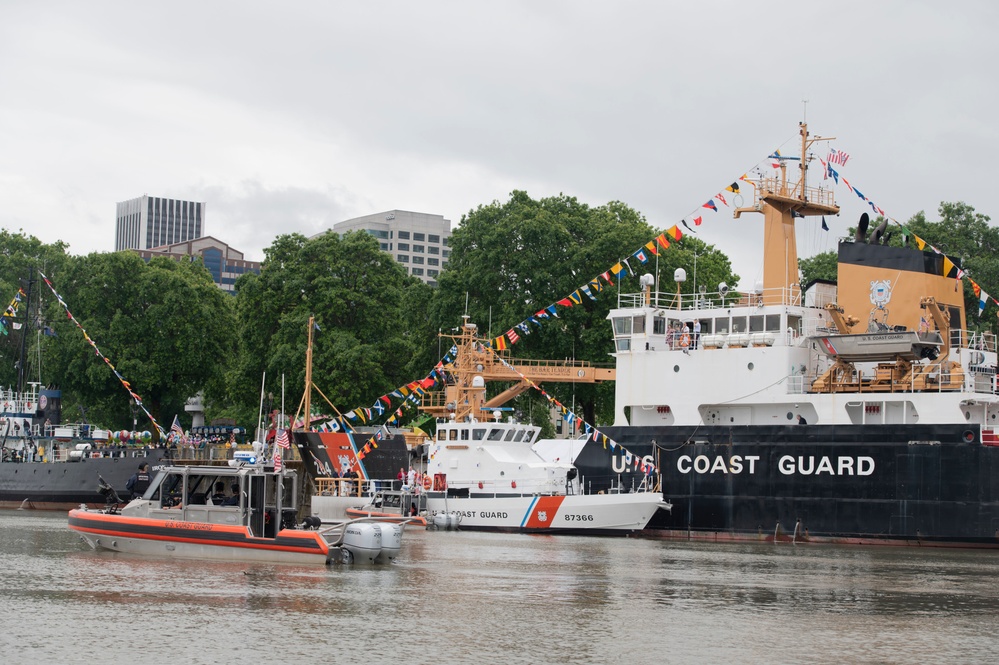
x: 494, y: 598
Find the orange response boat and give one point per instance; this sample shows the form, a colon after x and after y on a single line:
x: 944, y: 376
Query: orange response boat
x: 242, y: 513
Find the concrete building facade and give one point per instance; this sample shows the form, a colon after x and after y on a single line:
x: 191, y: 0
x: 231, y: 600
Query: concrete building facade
x: 151, y: 221
x: 419, y: 241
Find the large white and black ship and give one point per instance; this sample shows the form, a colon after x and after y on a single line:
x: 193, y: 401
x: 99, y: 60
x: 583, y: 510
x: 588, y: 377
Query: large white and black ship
x: 858, y: 411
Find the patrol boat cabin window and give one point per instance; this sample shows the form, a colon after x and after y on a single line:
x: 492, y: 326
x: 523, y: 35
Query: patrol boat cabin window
x: 756, y: 323
x: 722, y: 326
x: 773, y: 322
x: 478, y: 433
x: 495, y: 434
x: 622, y: 326
x: 658, y: 325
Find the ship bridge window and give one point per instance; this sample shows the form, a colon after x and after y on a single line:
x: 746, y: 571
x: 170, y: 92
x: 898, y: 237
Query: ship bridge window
x: 478, y: 434
x: 530, y: 435
x: 454, y: 435
x: 658, y: 325
x: 773, y: 322
x: 520, y: 435
x: 624, y: 344
x: 706, y: 327
x: 464, y: 435
x: 722, y: 326
x: 622, y: 326
x: 638, y: 326
x: 509, y: 435
x: 756, y: 323
x: 495, y: 434
x: 739, y: 324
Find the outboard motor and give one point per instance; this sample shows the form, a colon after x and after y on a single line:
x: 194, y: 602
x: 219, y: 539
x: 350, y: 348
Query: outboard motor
x: 391, y: 541
x: 363, y: 540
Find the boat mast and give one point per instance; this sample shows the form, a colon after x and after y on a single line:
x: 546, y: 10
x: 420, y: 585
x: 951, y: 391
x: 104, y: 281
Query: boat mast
x: 308, y: 377
x: 781, y: 202
x: 24, y: 332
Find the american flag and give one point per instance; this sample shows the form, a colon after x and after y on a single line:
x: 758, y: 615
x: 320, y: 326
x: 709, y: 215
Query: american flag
x: 176, y: 428
x: 277, y: 461
x: 282, y: 439
x: 838, y: 157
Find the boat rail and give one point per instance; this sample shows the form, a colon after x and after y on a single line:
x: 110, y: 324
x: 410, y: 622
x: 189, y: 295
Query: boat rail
x: 710, y: 300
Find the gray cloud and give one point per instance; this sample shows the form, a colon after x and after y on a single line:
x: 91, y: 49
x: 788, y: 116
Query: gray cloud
x: 294, y: 117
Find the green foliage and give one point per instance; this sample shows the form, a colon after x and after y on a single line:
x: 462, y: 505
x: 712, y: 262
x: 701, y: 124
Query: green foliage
x: 163, y: 325
x: 510, y: 260
x: 370, y: 313
x: 20, y: 257
x: 820, y: 266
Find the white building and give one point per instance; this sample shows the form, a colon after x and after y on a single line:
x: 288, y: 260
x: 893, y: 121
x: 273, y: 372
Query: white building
x: 150, y: 221
x: 417, y: 240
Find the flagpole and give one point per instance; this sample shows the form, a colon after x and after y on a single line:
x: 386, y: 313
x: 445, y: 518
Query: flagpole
x: 308, y: 376
x: 282, y: 400
x: 260, y: 413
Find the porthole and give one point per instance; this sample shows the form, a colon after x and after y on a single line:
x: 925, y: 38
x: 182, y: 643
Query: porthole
x: 676, y: 368
x: 750, y: 366
x: 790, y: 415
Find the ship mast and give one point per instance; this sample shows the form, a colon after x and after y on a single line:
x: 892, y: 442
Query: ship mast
x: 308, y: 377
x: 21, y: 364
x: 781, y: 202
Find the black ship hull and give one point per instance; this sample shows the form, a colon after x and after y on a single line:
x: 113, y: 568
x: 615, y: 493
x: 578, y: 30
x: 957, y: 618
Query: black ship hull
x: 890, y: 484
x: 65, y: 485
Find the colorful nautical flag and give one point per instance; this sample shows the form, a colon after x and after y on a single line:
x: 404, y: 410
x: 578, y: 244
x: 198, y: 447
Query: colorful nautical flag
x: 651, y: 246
x: 837, y: 157
x: 640, y: 255
x: 661, y: 239
x: 710, y: 205
x: 512, y: 336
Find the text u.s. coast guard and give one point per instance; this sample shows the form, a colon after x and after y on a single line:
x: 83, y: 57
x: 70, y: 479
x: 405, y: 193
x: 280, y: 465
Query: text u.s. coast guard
x: 805, y: 465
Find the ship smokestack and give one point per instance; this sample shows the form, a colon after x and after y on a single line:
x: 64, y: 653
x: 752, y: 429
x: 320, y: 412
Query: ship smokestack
x: 862, y: 228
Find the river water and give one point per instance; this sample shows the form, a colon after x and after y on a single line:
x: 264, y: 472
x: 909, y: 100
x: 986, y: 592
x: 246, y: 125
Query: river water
x: 494, y: 598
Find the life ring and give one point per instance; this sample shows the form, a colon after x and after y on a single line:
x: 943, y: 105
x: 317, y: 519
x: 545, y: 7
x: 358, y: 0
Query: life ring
x: 426, y: 482
x: 684, y: 340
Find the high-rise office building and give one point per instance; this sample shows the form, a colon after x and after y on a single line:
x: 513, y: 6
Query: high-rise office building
x: 151, y: 221
x: 417, y: 240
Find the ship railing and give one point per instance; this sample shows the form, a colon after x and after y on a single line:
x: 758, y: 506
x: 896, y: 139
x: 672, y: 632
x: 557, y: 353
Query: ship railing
x: 711, y: 300
x: 336, y: 486
x: 616, y: 483
x: 976, y: 340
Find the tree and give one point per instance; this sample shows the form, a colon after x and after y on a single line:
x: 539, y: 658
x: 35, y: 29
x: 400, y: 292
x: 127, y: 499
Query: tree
x: 21, y: 256
x: 164, y: 326
x: 510, y: 260
x: 820, y: 266
x: 363, y: 304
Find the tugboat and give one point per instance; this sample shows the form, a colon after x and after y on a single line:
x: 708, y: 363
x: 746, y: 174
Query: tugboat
x: 789, y: 420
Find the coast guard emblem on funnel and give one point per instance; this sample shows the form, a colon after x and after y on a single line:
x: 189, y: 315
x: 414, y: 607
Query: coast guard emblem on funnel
x: 880, y: 292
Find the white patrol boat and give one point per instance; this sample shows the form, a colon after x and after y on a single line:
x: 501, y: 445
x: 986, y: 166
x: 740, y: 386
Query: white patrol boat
x: 488, y: 475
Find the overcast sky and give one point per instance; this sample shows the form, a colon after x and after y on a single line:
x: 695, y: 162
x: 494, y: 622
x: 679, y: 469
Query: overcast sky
x: 290, y: 117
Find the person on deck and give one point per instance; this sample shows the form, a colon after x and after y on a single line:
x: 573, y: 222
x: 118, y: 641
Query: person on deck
x: 139, y: 482
x: 234, y: 499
